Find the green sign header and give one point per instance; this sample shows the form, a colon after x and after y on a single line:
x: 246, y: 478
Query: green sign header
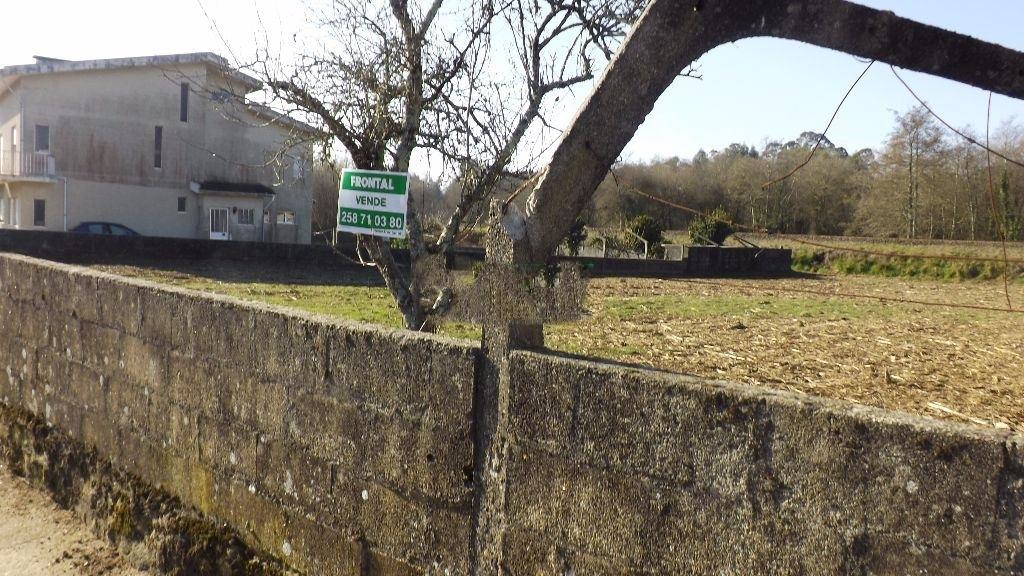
x: 379, y: 182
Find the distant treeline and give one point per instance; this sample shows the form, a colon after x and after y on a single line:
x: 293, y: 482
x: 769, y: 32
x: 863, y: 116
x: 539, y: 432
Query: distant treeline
x: 925, y: 182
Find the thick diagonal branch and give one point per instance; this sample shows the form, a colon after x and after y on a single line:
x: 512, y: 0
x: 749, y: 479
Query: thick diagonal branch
x: 673, y: 34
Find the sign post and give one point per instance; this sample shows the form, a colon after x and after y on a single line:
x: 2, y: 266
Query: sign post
x: 373, y: 203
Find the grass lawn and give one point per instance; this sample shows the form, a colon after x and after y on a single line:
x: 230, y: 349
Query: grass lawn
x: 900, y: 259
x: 327, y: 292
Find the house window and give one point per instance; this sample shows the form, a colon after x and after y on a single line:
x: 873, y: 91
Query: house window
x: 182, y: 204
x: 42, y: 138
x: 16, y: 212
x: 39, y: 213
x: 158, y: 147
x: 286, y: 217
x: 184, y: 101
x: 3, y: 156
x: 247, y: 216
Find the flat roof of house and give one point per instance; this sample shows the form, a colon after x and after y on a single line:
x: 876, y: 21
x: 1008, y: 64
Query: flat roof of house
x: 47, y: 65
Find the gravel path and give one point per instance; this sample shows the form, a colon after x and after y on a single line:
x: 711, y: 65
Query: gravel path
x: 39, y: 539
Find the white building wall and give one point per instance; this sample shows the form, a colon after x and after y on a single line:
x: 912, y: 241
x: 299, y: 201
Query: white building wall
x: 102, y: 133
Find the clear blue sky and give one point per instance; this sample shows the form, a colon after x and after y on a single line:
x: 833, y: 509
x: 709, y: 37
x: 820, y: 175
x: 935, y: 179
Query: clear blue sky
x: 773, y: 88
x: 751, y: 90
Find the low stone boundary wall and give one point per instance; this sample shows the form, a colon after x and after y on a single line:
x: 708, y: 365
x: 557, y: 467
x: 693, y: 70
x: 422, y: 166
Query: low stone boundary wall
x: 67, y: 247
x: 342, y: 448
x: 731, y: 261
x: 699, y: 261
x: 83, y: 248
x: 615, y: 470
x: 333, y: 446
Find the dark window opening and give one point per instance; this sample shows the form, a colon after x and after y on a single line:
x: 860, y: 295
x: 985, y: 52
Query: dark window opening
x: 39, y: 213
x: 158, y: 147
x: 184, y: 101
x: 42, y: 138
x: 286, y: 217
x: 182, y: 204
x: 247, y: 216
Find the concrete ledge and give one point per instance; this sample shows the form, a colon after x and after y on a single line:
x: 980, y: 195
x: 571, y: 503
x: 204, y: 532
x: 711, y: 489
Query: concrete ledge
x: 702, y: 477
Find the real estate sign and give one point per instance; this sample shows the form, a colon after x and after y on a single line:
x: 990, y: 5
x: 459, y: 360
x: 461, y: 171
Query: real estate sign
x: 373, y: 203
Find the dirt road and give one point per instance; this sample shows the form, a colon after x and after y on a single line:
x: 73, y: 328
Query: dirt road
x: 39, y: 539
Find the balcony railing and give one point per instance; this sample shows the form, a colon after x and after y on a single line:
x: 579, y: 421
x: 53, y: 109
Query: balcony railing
x: 240, y: 173
x: 27, y: 164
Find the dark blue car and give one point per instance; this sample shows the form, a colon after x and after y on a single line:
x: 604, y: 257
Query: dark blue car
x: 104, y: 228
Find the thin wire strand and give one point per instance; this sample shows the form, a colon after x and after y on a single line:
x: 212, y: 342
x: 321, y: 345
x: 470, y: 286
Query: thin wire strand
x: 821, y: 138
x: 997, y: 217
x: 948, y: 125
x: 529, y: 182
x: 850, y: 295
x: 950, y: 257
x: 467, y: 232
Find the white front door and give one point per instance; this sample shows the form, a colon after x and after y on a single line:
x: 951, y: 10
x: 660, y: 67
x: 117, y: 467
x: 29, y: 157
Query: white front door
x: 218, y: 223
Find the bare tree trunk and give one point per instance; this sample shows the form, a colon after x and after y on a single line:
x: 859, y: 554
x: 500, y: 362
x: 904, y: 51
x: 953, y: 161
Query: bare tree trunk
x: 405, y: 294
x: 911, y: 193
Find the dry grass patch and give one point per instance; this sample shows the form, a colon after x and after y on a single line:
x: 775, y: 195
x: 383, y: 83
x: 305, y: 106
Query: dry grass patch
x: 960, y: 364
x: 966, y: 365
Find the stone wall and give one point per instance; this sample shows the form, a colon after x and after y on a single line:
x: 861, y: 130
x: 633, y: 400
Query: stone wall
x: 88, y: 248
x: 733, y: 261
x: 615, y: 470
x: 698, y: 261
x: 337, y: 447
x: 702, y: 261
x: 349, y: 449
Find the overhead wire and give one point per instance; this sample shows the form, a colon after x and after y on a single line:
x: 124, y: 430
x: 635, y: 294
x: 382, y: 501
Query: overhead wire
x: 999, y: 219
x: 989, y: 152
x: 837, y: 294
x: 822, y: 136
x: 851, y: 295
x: 1005, y: 260
x: 832, y: 247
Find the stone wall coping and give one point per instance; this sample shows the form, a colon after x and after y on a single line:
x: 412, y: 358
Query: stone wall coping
x: 782, y: 398
x: 396, y: 333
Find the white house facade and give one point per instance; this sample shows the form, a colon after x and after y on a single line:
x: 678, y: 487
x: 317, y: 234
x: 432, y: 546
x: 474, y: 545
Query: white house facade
x: 164, y: 145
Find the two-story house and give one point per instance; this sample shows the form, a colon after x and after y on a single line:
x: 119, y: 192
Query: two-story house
x: 165, y: 145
